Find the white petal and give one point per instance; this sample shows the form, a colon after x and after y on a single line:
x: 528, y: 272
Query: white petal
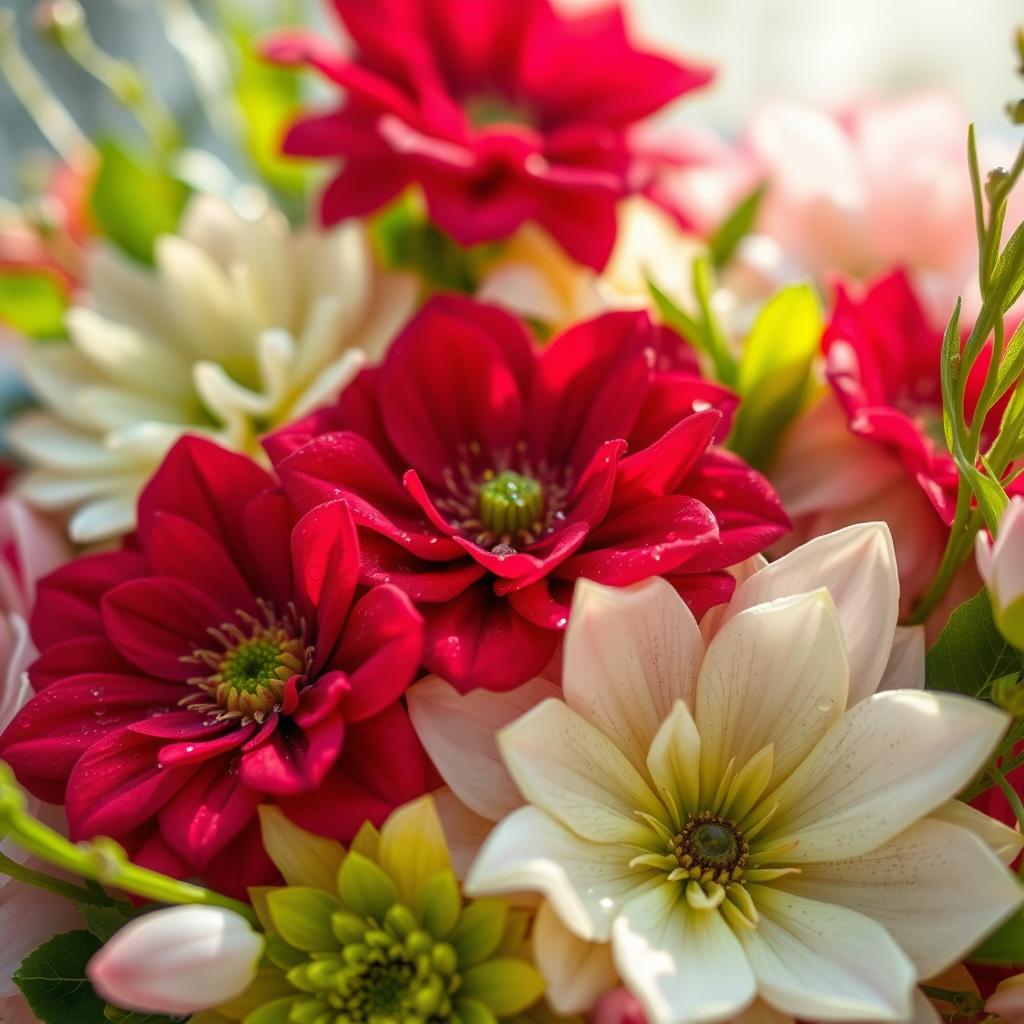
x: 1005, y: 842
x: 890, y: 760
x: 103, y: 520
x: 775, y: 673
x: 464, y: 830
x: 395, y: 299
x: 565, y: 766
x: 630, y: 654
x: 674, y: 760
x: 585, y: 883
x: 823, y: 962
x: 936, y: 888
x: 458, y: 731
x: 577, y: 972
x: 28, y: 918
x: 683, y: 965
x: 329, y: 383
x: 858, y: 566
x: 905, y: 668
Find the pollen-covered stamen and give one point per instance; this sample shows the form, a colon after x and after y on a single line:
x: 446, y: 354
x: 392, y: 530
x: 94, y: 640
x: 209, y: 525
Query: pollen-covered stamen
x: 710, y: 848
x: 250, y: 665
x: 511, y: 504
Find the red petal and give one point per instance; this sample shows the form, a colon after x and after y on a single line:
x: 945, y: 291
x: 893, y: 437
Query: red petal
x: 294, y: 760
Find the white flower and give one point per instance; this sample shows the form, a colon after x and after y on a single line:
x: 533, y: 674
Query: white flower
x: 177, y: 960
x: 240, y: 327
x: 740, y: 814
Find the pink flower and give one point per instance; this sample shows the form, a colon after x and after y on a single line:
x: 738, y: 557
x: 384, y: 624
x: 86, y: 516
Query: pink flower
x: 486, y: 476
x: 1001, y: 564
x: 221, y: 660
x: 872, y: 448
x: 502, y: 112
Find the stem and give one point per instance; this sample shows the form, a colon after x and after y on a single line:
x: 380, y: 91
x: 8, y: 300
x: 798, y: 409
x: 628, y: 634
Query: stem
x: 41, y: 880
x: 1011, y: 796
x: 101, y: 859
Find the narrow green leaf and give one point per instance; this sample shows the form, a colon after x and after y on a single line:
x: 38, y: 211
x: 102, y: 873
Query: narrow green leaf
x: 949, y: 370
x: 53, y: 980
x: 736, y: 226
x: 1012, y: 365
x: 1008, y: 274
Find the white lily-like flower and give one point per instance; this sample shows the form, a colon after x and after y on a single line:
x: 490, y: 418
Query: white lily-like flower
x: 241, y: 326
x: 177, y: 960
x: 745, y: 815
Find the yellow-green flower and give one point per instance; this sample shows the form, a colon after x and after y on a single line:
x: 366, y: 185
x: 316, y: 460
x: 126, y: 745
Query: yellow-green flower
x: 380, y: 934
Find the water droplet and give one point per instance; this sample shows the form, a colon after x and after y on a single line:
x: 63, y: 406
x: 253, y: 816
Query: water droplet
x: 699, y: 405
x: 189, y: 748
x: 825, y: 703
x: 96, y: 692
x: 561, y: 622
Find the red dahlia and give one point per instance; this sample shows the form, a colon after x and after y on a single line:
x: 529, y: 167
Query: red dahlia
x: 502, y: 112
x: 486, y: 475
x: 220, y: 662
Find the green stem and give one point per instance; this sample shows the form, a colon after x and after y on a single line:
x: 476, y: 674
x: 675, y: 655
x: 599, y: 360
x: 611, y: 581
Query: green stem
x: 100, y: 859
x: 1011, y: 796
x: 43, y: 881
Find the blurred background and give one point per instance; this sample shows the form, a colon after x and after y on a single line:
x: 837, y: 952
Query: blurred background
x: 823, y: 51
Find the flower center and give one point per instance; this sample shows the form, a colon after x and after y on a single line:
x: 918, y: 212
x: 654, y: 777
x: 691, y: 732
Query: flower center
x: 710, y: 848
x: 510, y: 504
x: 387, y: 974
x: 249, y: 665
x: 487, y: 110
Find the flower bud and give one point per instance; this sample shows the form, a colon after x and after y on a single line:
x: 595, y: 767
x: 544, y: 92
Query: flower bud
x: 1008, y: 1000
x: 1001, y: 564
x: 618, y: 1006
x: 178, y: 960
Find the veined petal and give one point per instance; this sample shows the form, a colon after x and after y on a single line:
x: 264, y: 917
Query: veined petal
x: 674, y: 759
x: 464, y: 830
x: 936, y: 888
x: 565, y: 766
x: 1005, y: 842
x: 823, y: 962
x: 684, y: 965
x: 458, y: 731
x: 890, y: 760
x: 775, y: 673
x: 630, y: 654
x: 585, y: 883
x: 858, y: 567
x: 577, y: 972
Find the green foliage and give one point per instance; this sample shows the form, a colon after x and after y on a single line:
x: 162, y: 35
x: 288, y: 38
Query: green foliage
x: 775, y: 371
x: 32, y: 302
x: 134, y: 201
x: 971, y: 654
x: 736, y: 226
x: 53, y: 980
x: 1005, y: 946
x: 104, y: 922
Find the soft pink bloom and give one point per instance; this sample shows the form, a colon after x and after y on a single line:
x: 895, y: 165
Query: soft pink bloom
x: 501, y: 112
x: 619, y: 1006
x: 1001, y: 564
x: 1007, y: 1001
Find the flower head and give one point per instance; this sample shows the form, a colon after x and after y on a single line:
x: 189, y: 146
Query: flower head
x: 221, y: 661
x: 1000, y: 565
x: 487, y: 476
x: 241, y: 327
x: 504, y: 114
x: 745, y: 809
x: 177, y: 960
x: 381, y: 932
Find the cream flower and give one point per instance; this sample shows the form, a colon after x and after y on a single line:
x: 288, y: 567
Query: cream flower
x: 741, y: 815
x: 242, y: 326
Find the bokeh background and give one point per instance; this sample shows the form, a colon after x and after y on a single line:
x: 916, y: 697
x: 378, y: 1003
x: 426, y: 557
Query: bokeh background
x: 824, y: 51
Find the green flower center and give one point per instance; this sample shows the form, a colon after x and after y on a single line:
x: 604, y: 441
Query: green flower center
x: 249, y: 665
x: 487, y: 110
x: 393, y: 973
x: 710, y: 848
x: 511, y: 505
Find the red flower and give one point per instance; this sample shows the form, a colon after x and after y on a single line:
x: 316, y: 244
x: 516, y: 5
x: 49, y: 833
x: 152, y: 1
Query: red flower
x: 502, y: 112
x: 487, y: 475
x: 224, y: 663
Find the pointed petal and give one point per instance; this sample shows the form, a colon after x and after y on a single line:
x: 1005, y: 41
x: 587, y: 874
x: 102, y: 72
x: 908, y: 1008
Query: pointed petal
x: 905, y: 667
x: 1005, y: 842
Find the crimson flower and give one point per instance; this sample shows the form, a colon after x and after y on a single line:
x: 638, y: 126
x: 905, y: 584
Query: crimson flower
x: 220, y: 662
x: 486, y: 475
x: 502, y: 112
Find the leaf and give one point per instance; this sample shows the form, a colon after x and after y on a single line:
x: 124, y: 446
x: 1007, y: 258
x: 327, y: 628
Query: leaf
x: 949, y: 370
x: 53, y: 980
x: 1005, y: 946
x: 775, y: 371
x: 970, y: 653
x: 736, y: 226
x: 134, y: 201
x: 1008, y: 275
x: 33, y: 303
x: 103, y: 922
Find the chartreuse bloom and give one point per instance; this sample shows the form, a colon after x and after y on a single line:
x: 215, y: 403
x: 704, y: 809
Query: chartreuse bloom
x: 381, y: 933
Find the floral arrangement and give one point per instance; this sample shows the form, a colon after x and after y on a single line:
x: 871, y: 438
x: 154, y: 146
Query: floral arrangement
x: 481, y: 554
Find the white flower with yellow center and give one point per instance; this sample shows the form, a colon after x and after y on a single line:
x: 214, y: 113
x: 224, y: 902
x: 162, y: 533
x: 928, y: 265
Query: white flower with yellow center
x: 241, y: 326
x: 744, y: 815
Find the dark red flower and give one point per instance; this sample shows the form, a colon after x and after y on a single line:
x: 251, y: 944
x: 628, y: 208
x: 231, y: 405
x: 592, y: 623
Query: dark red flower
x: 221, y: 662
x: 487, y: 475
x: 502, y: 112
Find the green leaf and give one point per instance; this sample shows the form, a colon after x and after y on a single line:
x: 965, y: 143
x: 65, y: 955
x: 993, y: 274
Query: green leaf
x: 775, y: 371
x: 134, y: 201
x: 33, y: 303
x: 1008, y: 275
x: 365, y: 889
x: 504, y: 986
x: 970, y: 653
x: 1005, y: 946
x: 949, y: 371
x: 480, y: 930
x: 736, y: 226
x: 103, y: 922
x: 302, y: 917
x: 53, y: 980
